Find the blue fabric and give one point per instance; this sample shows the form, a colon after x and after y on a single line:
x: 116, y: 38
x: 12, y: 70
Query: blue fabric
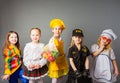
x: 18, y: 75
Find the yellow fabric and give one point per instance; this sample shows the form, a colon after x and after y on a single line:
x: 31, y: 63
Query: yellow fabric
x: 59, y: 67
x: 57, y: 22
x: 16, y: 51
x: 8, y: 56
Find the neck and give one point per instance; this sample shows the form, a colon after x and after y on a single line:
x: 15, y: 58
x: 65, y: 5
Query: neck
x: 78, y: 46
x: 57, y: 37
x: 35, y: 42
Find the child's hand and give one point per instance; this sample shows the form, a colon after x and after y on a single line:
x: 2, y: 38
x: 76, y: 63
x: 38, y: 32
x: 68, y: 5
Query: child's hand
x: 116, y: 72
x: 32, y: 66
x: 37, y: 66
x: 102, y: 46
x: 5, y: 77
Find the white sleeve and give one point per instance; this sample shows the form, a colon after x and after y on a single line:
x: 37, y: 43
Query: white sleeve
x: 94, y: 48
x: 43, y: 61
x: 112, y: 55
x: 26, y: 57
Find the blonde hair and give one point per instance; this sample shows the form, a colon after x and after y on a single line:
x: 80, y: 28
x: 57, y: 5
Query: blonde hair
x: 73, y: 43
x: 7, y: 42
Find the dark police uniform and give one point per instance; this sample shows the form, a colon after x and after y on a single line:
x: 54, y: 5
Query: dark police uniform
x: 79, y: 58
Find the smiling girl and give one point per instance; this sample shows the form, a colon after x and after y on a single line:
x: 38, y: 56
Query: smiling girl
x: 59, y: 67
x: 13, y: 59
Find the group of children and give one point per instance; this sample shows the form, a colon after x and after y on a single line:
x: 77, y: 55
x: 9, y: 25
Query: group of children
x: 104, y: 68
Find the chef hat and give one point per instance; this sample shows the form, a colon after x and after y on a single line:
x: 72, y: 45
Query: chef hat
x: 109, y: 33
x: 57, y: 22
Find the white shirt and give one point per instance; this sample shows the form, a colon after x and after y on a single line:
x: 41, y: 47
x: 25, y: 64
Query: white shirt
x: 32, y: 55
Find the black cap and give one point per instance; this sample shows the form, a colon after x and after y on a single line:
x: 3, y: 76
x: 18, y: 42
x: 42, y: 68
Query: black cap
x: 77, y: 32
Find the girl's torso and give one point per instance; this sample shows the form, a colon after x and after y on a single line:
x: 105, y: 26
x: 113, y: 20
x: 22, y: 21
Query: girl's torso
x: 79, y: 56
x: 34, y: 51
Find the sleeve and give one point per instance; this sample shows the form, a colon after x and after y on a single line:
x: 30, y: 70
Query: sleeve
x: 94, y: 48
x: 26, y: 57
x: 7, y: 59
x: 70, y: 53
x: 112, y: 55
x: 88, y: 51
x: 43, y: 61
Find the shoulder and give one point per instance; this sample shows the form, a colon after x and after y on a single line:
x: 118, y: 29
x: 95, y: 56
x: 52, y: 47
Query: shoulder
x: 6, y: 50
x: 85, y: 49
x: 41, y: 44
x: 95, y: 46
x: 111, y: 50
x: 51, y: 39
x: 72, y: 48
x: 28, y: 44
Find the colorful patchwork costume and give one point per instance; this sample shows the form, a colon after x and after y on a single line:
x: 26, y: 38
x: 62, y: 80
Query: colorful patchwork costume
x: 13, y: 62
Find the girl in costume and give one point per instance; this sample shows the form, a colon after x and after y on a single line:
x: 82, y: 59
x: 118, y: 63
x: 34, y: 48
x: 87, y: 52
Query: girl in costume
x: 105, y: 68
x: 35, y: 64
x: 59, y: 67
x: 13, y: 59
x: 78, y: 58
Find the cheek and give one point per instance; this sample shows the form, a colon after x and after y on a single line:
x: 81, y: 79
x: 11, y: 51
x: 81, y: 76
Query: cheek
x: 60, y: 32
x: 16, y: 39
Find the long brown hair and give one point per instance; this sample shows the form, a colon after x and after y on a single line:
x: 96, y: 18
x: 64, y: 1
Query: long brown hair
x: 7, y: 42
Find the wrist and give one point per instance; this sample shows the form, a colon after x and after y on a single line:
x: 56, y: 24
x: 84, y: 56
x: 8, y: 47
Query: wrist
x: 100, y: 50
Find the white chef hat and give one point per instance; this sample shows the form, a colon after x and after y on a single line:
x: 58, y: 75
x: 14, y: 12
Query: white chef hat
x: 109, y: 33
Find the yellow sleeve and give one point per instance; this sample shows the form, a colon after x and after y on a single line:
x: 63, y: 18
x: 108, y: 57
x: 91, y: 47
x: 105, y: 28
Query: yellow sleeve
x: 7, y: 59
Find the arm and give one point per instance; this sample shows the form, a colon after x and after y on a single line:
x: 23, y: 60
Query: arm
x: 87, y: 63
x: 77, y: 73
x: 72, y: 64
x: 27, y: 58
x: 7, y: 71
x: 96, y: 51
x: 115, y: 67
x: 42, y: 62
x: 113, y: 58
x: 7, y: 63
x: 5, y: 77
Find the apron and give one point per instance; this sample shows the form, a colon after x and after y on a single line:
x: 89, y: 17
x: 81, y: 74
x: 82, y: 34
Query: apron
x: 103, y: 69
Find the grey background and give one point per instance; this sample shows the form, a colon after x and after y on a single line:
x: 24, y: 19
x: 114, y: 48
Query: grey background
x: 92, y: 16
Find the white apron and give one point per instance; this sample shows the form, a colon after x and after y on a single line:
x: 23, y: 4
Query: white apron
x: 103, y: 69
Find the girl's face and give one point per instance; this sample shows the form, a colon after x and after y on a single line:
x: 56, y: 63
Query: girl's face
x: 35, y: 35
x: 105, y: 40
x: 77, y: 39
x: 57, y: 31
x: 13, y: 38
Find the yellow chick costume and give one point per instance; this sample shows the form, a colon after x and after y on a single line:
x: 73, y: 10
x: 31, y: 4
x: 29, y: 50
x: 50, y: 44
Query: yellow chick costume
x: 59, y: 67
